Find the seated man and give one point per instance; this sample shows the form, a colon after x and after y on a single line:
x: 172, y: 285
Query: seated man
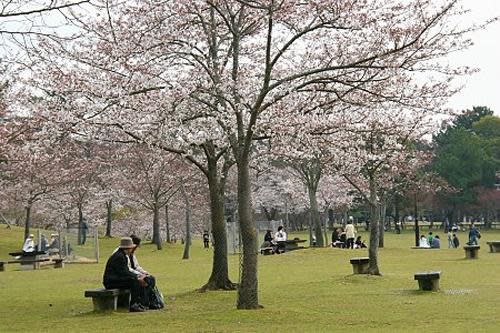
x: 54, y: 244
x: 436, y: 242
x: 118, y: 275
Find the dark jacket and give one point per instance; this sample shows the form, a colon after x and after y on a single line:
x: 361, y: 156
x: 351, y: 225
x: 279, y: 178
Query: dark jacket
x: 117, y: 269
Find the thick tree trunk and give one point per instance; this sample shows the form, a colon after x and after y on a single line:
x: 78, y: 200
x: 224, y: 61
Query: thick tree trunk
x: 167, y: 224
x: 156, y: 227
x: 315, y: 219
x: 374, y: 229
x: 109, y: 217
x: 187, y: 244
x: 248, y: 295
x: 27, y: 222
x: 219, y: 278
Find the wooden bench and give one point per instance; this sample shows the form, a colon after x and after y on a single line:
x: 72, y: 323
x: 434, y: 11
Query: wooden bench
x: 428, y: 281
x: 494, y: 246
x: 471, y: 251
x: 293, y: 244
x: 28, y: 264
x: 360, y: 265
x: 109, y: 299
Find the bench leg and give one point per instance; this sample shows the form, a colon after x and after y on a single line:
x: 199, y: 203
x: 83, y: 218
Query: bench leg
x: 59, y: 265
x: 27, y: 266
x: 105, y: 303
x: 360, y: 268
x: 428, y: 285
x: 2, y: 267
x: 123, y: 301
x: 471, y: 254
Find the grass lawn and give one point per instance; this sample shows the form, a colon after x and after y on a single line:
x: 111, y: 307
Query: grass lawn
x: 310, y: 290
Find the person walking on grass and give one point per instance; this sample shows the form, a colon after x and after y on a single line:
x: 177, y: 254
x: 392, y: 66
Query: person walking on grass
x: 474, y: 235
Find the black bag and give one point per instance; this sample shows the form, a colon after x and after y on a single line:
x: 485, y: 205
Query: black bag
x: 156, y: 300
x: 479, y: 235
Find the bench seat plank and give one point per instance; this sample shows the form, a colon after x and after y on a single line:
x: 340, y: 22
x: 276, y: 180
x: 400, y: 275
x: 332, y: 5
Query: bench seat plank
x: 109, y: 299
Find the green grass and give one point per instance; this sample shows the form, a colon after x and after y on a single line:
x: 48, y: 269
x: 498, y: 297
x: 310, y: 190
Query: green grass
x: 311, y: 290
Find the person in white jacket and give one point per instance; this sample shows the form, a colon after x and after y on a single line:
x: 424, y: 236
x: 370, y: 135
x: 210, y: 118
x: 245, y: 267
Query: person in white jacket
x: 280, y: 239
x: 350, y: 234
x: 29, y: 244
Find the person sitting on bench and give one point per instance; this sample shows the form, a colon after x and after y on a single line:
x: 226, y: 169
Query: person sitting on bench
x: 280, y: 239
x: 29, y: 244
x: 135, y: 268
x: 118, y: 275
x: 54, y: 244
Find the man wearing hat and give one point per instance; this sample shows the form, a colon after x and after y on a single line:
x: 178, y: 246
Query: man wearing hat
x: 118, y: 275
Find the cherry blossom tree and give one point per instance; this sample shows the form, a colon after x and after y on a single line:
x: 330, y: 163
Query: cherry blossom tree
x: 229, y: 68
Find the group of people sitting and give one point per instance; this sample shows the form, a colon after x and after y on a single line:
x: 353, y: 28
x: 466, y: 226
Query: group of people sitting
x: 45, y: 246
x: 124, y: 272
x: 346, y: 238
x: 276, y: 242
x: 430, y: 241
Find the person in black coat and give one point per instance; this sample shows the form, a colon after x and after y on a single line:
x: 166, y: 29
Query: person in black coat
x: 118, y: 275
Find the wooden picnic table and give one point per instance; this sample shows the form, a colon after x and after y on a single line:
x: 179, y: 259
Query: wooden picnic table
x: 293, y: 244
x: 29, y: 260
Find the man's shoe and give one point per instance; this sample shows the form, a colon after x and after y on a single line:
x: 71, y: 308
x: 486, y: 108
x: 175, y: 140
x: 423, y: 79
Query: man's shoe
x: 136, y: 307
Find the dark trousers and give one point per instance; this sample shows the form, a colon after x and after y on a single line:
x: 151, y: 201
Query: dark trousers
x: 280, y: 247
x: 137, y: 292
x: 350, y: 243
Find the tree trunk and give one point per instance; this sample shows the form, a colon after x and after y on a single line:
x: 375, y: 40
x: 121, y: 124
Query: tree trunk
x: 315, y: 219
x: 287, y: 222
x: 219, y: 278
x: 374, y: 229
x: 417, y: 227
x: 156, y: 227
x: 167, y: 224
x: 109, y: 208
x: 80, y: 224
x: 248, y: 296
x: 27, y: 222
x: 187, y: 244
x: 381, y: 213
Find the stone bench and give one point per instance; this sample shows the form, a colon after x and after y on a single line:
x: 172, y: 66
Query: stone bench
x: 360, y: 265
x: 428, y: 281
x: 494, y: 246
x: 109, y: 299
x: 471, y: 251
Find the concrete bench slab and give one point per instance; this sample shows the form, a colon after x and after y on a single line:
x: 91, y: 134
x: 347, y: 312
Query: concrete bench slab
x: 494, y: 246
x: 428, y: 281
x: 360, y: 265
x: 471, y: 251
x: 109, y: 299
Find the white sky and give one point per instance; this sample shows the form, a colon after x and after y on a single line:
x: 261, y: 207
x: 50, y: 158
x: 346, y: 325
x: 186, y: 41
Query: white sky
x: 483, y: 88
